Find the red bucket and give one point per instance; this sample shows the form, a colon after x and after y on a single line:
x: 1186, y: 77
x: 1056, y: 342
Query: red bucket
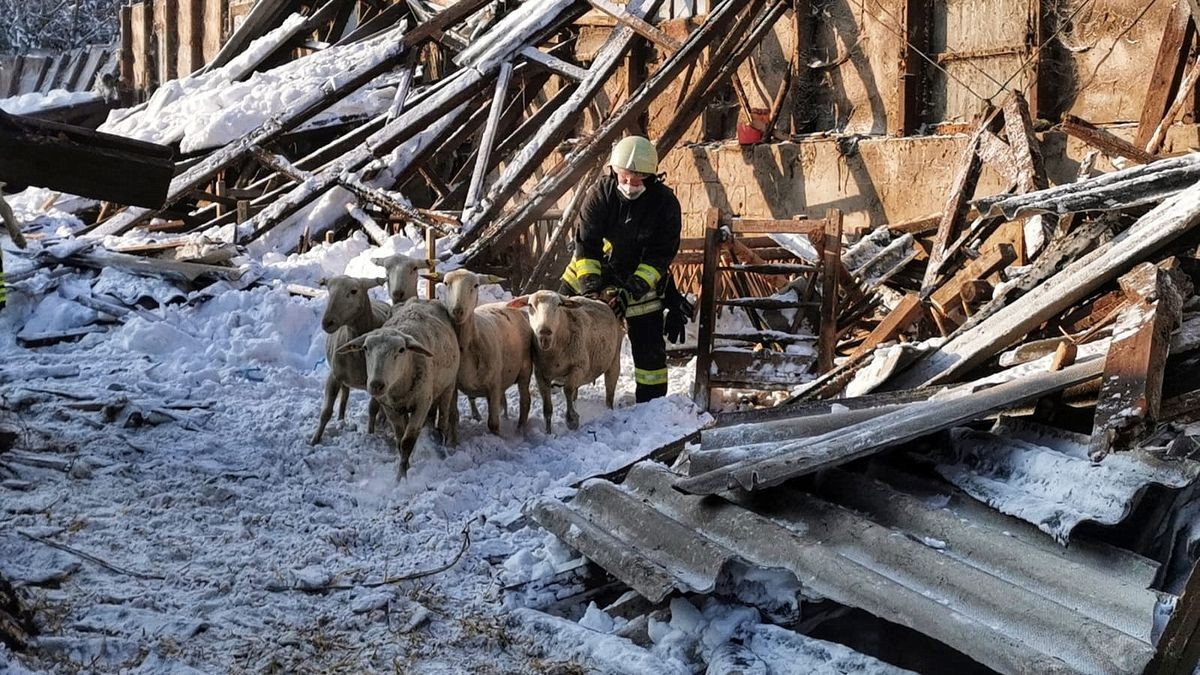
x: 748, y: 135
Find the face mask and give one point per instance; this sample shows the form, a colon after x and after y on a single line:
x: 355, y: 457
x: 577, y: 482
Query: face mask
x: 630, y: 191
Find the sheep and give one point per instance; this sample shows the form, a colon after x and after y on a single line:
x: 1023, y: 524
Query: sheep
x: 412, y: 366
x: 349, y: 313
x: 401, y: 275
x: 576, y: 339
x: 495, y: 344
x: 402, y: 284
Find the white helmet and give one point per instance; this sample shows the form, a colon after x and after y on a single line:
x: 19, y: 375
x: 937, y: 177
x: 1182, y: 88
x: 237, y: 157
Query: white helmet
x: 635, y: 153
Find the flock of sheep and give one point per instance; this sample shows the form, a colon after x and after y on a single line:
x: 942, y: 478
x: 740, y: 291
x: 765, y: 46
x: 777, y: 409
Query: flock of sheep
x: 415, y: 355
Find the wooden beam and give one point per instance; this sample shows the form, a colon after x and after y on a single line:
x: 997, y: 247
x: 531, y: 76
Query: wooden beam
x: 958, y: 201
x: 488, y: 140
x: 554, y: 64
x: 1131, y: 390
x: 909, y: 310
x: 1026, y: 148
x: 829, y: 290
x: 166, y: 27
x: 996, y: 154
x: 949, y: 295
x: 1102, y: 140
x: 1168, y: 71
x: 638, y: 24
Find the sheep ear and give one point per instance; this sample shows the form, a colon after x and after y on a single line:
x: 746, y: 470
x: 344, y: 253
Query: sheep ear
x: 371, y: 283
x: 432, y: 276
x: 569, y: 303
x: 425, y: 264
x: 355, y: 345
x: 493, y: 279
x: 384, y: 261
x: 322, y: 282
x: 518, y: 302
x: 419, y: 348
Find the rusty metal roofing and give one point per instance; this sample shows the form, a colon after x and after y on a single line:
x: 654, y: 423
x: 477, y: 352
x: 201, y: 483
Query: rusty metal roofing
x: 914, y: 553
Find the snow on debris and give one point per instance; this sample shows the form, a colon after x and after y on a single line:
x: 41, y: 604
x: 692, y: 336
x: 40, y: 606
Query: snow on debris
x: 227, y: 524
x: 28, y: 104
x: 214, y: 108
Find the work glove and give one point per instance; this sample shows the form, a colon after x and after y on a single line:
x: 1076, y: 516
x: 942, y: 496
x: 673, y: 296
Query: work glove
x: 591, y: 285
x: 615, y: 298
x: 676, y: 319
x: 637, y: 287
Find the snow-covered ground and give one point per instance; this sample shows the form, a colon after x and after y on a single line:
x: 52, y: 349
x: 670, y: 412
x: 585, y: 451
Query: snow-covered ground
x: 216, y: 508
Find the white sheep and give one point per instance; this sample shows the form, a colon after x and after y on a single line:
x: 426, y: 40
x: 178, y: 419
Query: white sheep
x: 495, y: 342
x: 575, y: 341
x: 401, y: 275
x: 412, y: 366
x: 349, y: 313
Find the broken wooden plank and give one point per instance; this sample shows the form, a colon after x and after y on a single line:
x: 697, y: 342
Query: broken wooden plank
x: 805, y: 456
x: 993, y: 260
x: 1009, y: 324
x: 1131, y: 391
x: 1103, y: 140
x: 643, y: 28
x: 906, y: 313
x: 153, y: 267
x: 996, y: 154
x: 1168, y: 69
x: 1026, y: 149
x: 958, y: 201
x: 554, y: 64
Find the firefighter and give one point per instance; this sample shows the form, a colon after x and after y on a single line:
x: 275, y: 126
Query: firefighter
x: 627, y: 236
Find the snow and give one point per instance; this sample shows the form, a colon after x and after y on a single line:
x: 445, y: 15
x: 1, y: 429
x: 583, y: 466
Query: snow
x: 727, y: 638
x: 213, y: 108
x: 28, y: 104
x: 213, y: 486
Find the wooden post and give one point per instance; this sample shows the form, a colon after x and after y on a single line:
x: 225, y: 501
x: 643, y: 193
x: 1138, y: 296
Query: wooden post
x: 708, y: 303
x: 126, y: 60
x: 1131, y: 390
x: 144, y: 73
x: 222, y: 191
x: 910, y: 92
x: 190, y: 33
x: 431, y: 257
x: 215, y: 14
x: 166, y: 28
x: 829, y: 290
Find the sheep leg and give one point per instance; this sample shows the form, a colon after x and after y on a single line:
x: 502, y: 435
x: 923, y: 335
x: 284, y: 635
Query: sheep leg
x: 495, y: 400
x: 523, y: 390
x: 449, y: 412
x: 610, y: 379
x: 331, y: 391
x: 547, y: 405
x: 408, y: 440
x: 345, y: 392
x: 474, y: 409
x: 569, y: 393
x: 372, y: 413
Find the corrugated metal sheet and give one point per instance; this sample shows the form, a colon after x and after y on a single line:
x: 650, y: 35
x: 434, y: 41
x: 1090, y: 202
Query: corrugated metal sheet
x: 988, y: 585
x: 1044, y: 476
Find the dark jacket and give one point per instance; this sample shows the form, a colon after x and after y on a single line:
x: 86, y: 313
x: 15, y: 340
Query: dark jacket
x: 642, y: 231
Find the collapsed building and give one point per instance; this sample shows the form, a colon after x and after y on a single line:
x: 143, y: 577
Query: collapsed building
x: 945, y: 258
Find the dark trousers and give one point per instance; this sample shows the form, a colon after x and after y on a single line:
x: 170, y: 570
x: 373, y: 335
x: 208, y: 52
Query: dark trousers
x: 649, y: 354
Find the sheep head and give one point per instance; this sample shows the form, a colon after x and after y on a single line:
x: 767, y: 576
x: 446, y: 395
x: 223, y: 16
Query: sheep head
x: 545, y: 315
x: 390, y: 355
x: 462, y: 292
x: 348, y: 300
x: 401, y: 275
